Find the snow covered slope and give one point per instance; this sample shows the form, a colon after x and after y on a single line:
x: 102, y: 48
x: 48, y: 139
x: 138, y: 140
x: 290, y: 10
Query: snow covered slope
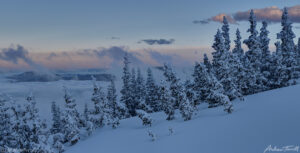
x: 269, y: 118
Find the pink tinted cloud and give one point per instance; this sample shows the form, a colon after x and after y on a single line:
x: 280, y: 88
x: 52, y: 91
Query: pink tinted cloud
x: 270, y: 14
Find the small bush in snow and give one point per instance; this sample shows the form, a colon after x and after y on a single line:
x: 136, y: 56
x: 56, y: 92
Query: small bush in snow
x: 145, y: 117
x: 228, y: 107
x: 171, y: 131
x: 152, y: 135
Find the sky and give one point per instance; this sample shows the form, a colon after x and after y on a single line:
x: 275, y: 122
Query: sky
x: 175, y: 28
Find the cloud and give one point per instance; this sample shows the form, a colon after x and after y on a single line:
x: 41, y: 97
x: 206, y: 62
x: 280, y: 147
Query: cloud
x: 270, y: 14
x: 158, y: 41
x: 116, y: 54
x: 115, y: 38
x: 52, y: 55
x: 19, y: 58
x: 159, y: 57
x: 14, y: 54
x: 206, y: 21
x: 217, y: 18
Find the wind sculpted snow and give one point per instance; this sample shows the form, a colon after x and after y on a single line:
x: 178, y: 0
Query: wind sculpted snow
x: 264, y: 119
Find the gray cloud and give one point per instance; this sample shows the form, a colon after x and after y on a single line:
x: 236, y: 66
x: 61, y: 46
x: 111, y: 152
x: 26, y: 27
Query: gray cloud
x: 269, y: 14
x: 16, y: 53
x: 206, y: 21
x: 116, y: 53
x: 52, y: 55
x: 161, y: 58
x: 158, y: 41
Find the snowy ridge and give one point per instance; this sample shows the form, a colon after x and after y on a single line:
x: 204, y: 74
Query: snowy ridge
x: 268, y: 118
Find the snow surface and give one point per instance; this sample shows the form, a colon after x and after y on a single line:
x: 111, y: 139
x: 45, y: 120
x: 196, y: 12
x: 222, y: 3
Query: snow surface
x: 268, y: 118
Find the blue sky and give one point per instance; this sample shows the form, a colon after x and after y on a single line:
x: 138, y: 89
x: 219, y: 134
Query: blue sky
x: 60, y: 25
x: 71, y: 33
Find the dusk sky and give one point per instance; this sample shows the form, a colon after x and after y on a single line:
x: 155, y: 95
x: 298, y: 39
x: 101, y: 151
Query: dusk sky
x: 177, y: 26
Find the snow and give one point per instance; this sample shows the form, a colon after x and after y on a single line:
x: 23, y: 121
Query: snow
x: 268, y: 118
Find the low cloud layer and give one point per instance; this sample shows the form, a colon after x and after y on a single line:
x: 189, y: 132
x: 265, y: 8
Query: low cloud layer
x: 158, y: 41
x: 269, y: 14
x: 19, y: 58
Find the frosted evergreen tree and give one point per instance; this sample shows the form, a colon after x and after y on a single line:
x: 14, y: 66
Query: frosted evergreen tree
x: 88, y: 124
x: 140, y: 87
x: 28, y: 132
x: 237, y: 63
x: 223, y: 67
x: 287, y: 46
x: 20, y: 132
x: 132, y: 106
x: 225, y: 33
x: 167, y: 102
x: 252, y: 39
x: 98, y: 97
x: 5, y: 123
x: 238, y: 72
x: 201, y: 86
x: 248, y: 79
x: 216, y: 95
x: 238, y: 50
x: 100, y: 114
x: 207, y: 62
x: 57, y: 142
x: 141, y: 93
x: 151, y: 98
x: 298, y: 47
x: 175, y: 86
x: 219, y: 48
x: 57, y: 137
x: 266, y: 55
x: 229, y: 83
x: 298, y: 55
x: 264, y: 41
x: 186, y: 109
x: 37, y: 130
x: 254, y: 55
x: 189, y: 92
x: 56, y: 119
x: 207, y: 87
x: 71, y: 121
x: 279, y: 73
x: 125, y: 91
x: 116, y: 110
